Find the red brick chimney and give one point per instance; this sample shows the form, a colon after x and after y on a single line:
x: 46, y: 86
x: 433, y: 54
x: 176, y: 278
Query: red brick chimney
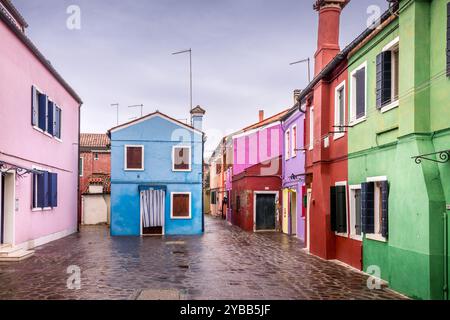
x: 328, y: 34
x: 261, y: 115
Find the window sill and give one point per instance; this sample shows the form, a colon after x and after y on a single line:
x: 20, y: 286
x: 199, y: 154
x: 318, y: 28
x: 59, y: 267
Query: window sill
x: 356, y: 237
x: 376, y: 237
x: 343, y: 235
x: 357, y: 121
x: 338, y: 136
x: 134, y: 170
x: 390, y: 106
x: 181, y: 218
x: 58, y: 139
x: 174, y: 170
x: 41, y: 209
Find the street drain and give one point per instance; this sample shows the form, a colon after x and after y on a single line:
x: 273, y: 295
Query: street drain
x: 159, y: 294
x: 183, y: 266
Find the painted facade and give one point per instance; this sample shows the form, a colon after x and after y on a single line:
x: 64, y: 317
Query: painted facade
x: 257, y: 174
x: 152, y: 144
x: 39, y: 179
x: 293, y: 173
x: 383, y: 145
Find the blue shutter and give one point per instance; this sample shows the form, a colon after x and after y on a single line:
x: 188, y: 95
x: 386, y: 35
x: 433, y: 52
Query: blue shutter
x: 35, y: 176
x: 57, y: 132
x: 41, y: 178
x: 383, y: 79
x: 53, y: 190
x: 42, y: 111
x: 384, y: 208
x: 34, y: 106
x: 367, y: 207
x: 50, y: 117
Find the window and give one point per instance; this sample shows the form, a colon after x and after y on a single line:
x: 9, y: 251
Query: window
x: 218, y: 168
x: 181, y: 205
x: 287, y: 142
x: 358, y: 93
x: 45, y: 114
x: 134, y: 158
x: 294, y: 141
x: 355, y: 212
x: 81, y: 166
x: 311, y: 128
x: 374, y: 208
x: 96, y: 156
x: 339, y: 111
x: 213, y: 197
x: 181, y: 159
x: 387, y: 76
x: 338, y: 208
x: 45, y: 190
x: 448, y: 39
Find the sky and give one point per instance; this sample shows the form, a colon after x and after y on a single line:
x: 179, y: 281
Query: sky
x: 241, y: 51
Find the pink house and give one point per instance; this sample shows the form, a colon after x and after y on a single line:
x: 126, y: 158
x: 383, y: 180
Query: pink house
x: 39, y: 130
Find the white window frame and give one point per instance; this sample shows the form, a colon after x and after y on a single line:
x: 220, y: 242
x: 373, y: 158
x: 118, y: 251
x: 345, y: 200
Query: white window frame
x: 190, y: 159
x: 125, y: 164
x: 171, y: 206
x: 294, y: 141
x: 353, y: 235
x: 340, y: 184
x: 336, y: 110
x: 353, y: 120
x: 81, y: 173
x: 35, y: 187
x: 377, y: 227
x: 311, y: 128
x: 392, y: 46
x: 287, y: 146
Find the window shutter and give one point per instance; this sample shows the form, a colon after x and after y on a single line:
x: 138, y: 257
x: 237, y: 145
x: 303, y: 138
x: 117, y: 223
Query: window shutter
x: 42, y: 111
x: 134, y: 157
x: 448, y: 39
x: 35, y: 176
x: 34, y: 106
x: 341, y: 202
x: 181, y: 204
x: 367, y: 207
x: 384, y: 79
x: 361, y: 93
x: 53, y: 190
x: 57, y: 130
x: 384, y: 208
x: 50, y: 117
x: 42, y: 186
x: 333, y: 211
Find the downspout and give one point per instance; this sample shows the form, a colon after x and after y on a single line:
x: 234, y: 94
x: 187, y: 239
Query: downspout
x: 203, y: 182
x: 78, y: 171
x: 445, y: 256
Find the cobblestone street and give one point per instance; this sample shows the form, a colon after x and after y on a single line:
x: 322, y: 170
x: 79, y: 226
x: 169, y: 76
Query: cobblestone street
x: 224, y: 263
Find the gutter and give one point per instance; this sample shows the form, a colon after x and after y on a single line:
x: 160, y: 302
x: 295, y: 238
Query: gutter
x: 339, y: 58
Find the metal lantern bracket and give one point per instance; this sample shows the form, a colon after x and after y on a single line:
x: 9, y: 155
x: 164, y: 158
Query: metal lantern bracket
x: 441, y: 157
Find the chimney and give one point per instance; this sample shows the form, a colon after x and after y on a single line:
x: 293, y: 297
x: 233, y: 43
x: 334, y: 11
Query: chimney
x: 197, y: 118
x: 297, y: 93
x: 261, y: 115
x: 328, y: 34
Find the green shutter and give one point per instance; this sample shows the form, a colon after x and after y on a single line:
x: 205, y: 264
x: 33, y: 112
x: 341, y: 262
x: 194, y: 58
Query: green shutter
x: 341, y: 208
x: 384, y: 208
x: 333, y: 209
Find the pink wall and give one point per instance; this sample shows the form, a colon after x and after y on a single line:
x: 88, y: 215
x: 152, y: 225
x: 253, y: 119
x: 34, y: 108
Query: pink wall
x: 19, y: 70
x: 256, y: 146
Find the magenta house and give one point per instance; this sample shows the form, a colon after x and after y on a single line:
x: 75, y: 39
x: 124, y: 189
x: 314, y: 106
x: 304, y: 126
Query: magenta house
x: 293, y: 163
x: 39, y: 136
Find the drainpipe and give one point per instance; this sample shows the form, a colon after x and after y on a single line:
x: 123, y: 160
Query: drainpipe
x: 78, y: 172
x: 203, y: 183
x: 445, y: 218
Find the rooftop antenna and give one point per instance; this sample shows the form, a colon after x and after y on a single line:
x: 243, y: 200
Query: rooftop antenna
x: 309, y: 66
x: 190, y: 70
x: 138, y: 106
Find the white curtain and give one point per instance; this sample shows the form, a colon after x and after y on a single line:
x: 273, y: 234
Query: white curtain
x: 152, y: 208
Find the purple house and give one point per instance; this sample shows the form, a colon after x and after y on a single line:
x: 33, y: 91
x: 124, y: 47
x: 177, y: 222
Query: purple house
x: 293, y: 165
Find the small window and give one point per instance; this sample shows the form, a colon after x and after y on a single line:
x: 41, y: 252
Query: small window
x: 45, y: 190
x: 374, y: 208
x: 294, y: 146
x: 218, y: 168
x: 134, y: 158
x: 338, y: 208
x: 311, y: 129
x: 355, y: 212
x: 81, y: 166
x: 181, y: 205
x: 45, y: 114
x: 287, y: 143
x: 181, y: 159
x: 213, y: 197
x: 387, y: 75
x: 95, y: 156
x: 359, y: 93
x: 339, y: 111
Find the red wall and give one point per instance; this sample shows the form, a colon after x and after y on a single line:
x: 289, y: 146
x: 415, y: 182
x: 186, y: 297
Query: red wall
x: 91, y: 166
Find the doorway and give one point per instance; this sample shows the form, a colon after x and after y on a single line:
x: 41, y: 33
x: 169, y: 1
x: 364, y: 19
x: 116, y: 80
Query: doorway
x: 293, y: 213
x: 152, y: 212
x: 308, y: 220
x: 7, y: 183
x: 265, y: 211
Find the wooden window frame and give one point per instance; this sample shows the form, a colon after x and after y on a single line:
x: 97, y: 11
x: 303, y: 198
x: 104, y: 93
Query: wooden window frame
x: 353, y: 94
x: 352, y: 207
x: 344, y: 184
x: 125, y: 157
x: 172, y: 194
x: 392, y: 46
x: 377, y: 203
x: 190, y: 159
x: 339, y: 88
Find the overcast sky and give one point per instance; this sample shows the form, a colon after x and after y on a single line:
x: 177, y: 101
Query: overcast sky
x: 241, y: 55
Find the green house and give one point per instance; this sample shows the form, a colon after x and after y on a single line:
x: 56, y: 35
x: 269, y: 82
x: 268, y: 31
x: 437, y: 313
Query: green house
x: 399, y: 142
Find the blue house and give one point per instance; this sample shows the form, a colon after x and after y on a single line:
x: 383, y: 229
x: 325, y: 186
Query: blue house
x: 156, y: 176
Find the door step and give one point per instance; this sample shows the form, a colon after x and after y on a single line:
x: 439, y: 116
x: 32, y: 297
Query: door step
x: 12, y: 254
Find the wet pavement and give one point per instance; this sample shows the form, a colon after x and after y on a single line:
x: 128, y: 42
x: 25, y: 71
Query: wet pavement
x: 224, y: 263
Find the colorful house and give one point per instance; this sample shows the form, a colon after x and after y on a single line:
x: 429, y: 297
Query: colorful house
x: 399, y: 146
x: 256, y: 181
x: 95, y: 168
x: 293, y: 173
x: 157, y: 176
x: 39, y: 130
